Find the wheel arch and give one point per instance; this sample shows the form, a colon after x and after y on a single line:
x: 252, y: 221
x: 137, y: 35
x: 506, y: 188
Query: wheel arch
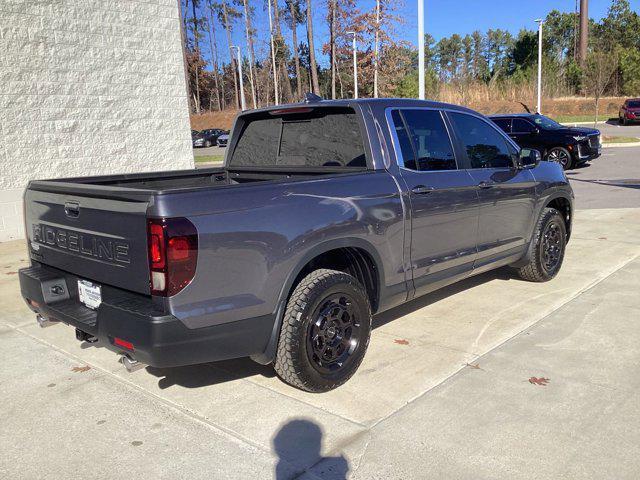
x: 351, y: 255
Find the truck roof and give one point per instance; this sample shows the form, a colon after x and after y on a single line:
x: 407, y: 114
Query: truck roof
x: 379, y: 102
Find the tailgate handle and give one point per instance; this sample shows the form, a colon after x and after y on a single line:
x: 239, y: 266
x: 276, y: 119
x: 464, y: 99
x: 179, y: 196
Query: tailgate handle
x: 72, y: 209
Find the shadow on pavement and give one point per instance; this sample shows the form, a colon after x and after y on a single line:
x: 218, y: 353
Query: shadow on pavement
x: 195, y: 376
x: 431, y: 298
x: 299, y: 442
x: 623, y: 182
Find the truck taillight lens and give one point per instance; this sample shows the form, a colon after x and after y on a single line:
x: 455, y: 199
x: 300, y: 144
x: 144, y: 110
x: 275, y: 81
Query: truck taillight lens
x: 173, y: 254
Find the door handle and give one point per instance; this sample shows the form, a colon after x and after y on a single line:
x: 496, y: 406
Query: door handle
x: 422, y: 189
x: 485, y: 185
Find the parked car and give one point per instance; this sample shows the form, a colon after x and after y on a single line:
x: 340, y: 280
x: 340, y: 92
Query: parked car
x: 223, y: 139
x: 323, y: 214
x: 207, y: 138
x: 568, y: 146
x: 194, y: 134
x: 629, y: 112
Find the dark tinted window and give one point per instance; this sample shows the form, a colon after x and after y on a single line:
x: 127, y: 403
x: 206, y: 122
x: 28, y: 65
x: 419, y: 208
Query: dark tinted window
x: 633, y: 104
x: 503, y: 123
x: 428, y: 145
x: 522, y: 126
x: 408, y: 154
x: 485, y: 146
x: 323, y: 137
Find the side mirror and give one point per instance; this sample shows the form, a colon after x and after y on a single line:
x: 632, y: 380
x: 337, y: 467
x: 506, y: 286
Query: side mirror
x: 529, y: 158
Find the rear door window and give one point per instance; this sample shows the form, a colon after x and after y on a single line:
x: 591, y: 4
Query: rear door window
x: 484, y: 144
x: 503, y: 123
x: 424, y: 140
x: 319, y: 137
x: 522, y: 126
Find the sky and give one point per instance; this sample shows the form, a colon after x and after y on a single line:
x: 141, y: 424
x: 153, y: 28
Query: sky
x: 442, y: 18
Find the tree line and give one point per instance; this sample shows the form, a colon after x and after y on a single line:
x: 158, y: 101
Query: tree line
x: 491, y: 61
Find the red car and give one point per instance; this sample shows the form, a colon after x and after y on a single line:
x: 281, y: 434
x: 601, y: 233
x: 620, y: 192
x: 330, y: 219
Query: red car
x: 630, y: 111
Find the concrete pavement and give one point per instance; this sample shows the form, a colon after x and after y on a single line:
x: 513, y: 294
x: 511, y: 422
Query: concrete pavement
x: 612, y: 180
x: 493, y: 377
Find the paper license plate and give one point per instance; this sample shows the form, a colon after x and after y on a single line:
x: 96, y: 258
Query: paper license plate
x: 90, y: 294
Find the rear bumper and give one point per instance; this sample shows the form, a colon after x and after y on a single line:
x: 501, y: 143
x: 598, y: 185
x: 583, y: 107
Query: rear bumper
x: 159, y: 339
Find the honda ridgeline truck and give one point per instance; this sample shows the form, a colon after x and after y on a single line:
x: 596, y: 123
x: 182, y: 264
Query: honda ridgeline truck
x: 323, y: 214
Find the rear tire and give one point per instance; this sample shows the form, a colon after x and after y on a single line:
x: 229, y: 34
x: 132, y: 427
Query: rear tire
x: 547, y: 251
x: 325, y: 331
x: 560, y: 155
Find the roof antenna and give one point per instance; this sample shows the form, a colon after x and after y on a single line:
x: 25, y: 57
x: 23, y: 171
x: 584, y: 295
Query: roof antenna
x: 312, y: 98
x: 525, y: 107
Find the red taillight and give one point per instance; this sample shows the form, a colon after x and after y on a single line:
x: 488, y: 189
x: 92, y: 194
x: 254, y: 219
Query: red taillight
x: 156, y: 245
x: 123, y: 343
x: 178, y: 249
x: 173, y: 254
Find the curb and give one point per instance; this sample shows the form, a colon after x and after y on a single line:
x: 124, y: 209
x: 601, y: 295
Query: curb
x: 617, y: 145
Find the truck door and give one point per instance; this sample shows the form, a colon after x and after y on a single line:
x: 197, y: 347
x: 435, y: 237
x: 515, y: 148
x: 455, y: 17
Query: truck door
x: 443, y: 199
x: 506, y: 193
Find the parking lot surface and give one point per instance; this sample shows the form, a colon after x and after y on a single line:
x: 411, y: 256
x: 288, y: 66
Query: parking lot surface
x: 492, y: 377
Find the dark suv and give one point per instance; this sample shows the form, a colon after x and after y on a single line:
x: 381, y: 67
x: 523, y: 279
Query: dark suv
x: 630, y: 111
x: 568, y: 146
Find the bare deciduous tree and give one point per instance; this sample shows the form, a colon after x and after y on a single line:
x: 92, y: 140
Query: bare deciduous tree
x: 312, y: 51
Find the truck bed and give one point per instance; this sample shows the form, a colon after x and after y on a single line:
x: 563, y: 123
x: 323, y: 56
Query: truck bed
x: 140, y: 185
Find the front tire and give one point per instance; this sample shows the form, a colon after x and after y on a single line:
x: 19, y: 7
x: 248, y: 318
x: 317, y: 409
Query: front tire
x: 549, y: 243
x: 325, y: 331
x: 560, y: 155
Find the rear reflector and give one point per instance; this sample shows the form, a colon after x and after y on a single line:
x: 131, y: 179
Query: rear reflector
x: 34, y: 304
x: 173, y: 254
x: 123, y: 343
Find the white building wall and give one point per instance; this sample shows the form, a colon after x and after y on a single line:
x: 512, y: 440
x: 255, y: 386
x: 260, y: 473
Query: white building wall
x: 88, y: 87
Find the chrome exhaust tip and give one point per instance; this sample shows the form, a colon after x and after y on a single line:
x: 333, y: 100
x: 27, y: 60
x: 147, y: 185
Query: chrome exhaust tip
x: 131, y: 364
x: 44, y: 322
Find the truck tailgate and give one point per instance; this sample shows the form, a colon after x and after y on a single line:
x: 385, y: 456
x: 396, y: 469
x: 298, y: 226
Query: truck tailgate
x: 103, y: 240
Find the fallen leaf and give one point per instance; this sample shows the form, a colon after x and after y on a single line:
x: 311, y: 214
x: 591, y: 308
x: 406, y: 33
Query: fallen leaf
x: 471, y: 365
x: 538, y: 381
x: 11, y: 273
x: 602, y: 238
x: 81, y: 369
x: 401, y: 341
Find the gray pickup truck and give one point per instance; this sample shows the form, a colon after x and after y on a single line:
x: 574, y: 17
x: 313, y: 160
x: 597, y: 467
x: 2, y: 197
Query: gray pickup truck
x: 323, y: 214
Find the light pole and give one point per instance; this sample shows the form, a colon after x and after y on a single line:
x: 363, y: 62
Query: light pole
x: 421, y: 49
x: 540, y: 21
x: 355, y: 66
x: 242, y: 101
x: 273, y: 57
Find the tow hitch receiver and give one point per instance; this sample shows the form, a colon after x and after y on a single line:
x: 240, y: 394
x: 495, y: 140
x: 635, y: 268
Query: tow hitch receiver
x: 85, y: 337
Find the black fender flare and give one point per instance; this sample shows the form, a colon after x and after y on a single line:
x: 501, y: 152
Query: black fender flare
x: 269, y: 353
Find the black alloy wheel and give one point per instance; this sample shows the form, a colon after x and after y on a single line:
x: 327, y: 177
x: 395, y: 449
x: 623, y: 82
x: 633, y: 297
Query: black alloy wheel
x: 552, y: 245
x: 334, y: 333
